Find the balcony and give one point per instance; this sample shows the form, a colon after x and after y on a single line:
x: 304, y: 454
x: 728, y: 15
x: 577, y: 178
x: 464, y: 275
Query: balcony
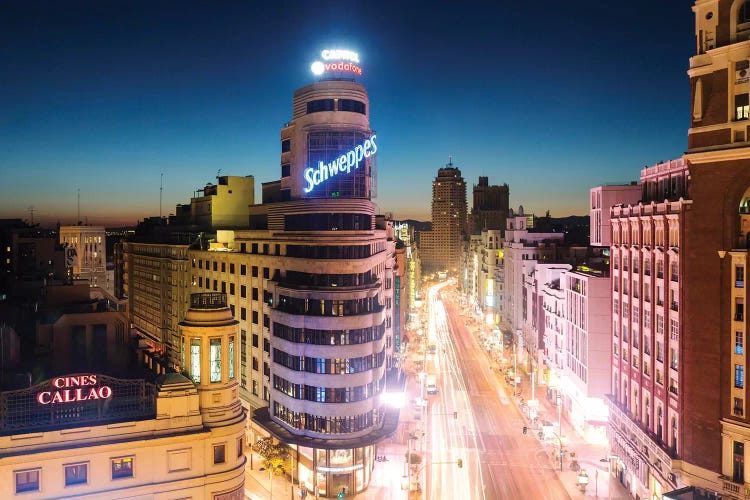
x: 673, y: 390
x: 739, y: 317
x: 659, y: 274
x: 674, y: 306
x: 673, y: 277
x: 646, y: 271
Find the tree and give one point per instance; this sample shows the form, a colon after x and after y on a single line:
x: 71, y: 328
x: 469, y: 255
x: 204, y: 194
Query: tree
x: 275, y: 456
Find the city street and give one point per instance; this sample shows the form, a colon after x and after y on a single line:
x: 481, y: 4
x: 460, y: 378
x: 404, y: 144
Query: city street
x: 486, y: 430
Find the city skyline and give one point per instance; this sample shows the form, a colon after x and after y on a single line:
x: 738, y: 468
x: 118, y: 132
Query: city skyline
x: 106, y: 99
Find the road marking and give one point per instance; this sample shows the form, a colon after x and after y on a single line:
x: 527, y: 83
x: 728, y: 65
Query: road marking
x: 503, y: 398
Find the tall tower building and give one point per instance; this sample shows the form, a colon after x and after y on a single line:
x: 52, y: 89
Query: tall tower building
x: 679, y: 261
x: 490, y: 208
x: 442, y: 247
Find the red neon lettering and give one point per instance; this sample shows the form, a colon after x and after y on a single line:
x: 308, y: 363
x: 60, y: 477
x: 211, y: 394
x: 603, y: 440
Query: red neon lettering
x: 41, y: 398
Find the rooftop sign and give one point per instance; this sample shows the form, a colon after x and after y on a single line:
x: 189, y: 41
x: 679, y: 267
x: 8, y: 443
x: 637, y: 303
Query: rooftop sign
x: 72, y: 389
x: 336, y: 60
x: 342, y: 164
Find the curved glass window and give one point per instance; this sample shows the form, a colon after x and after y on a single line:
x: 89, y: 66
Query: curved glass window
x: 329, y: 252
x: 328, y: 280
x: 329, y: 337
x: 330, y: 366
x: 322, y: 307
x: 320, y: 105
x: 215, y: 353
x: 328, y: 394
x: 352, y: 105
x: 332, y: 425
x: 328, y: 222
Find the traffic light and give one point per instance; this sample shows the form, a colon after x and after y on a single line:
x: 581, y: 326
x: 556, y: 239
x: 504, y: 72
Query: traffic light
x: 460, y: 463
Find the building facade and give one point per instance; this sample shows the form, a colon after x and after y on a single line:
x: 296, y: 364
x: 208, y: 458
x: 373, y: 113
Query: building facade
x: 490, y: 206
x: 86, y: 253
x: 94, y: 436
x: 442, y: 248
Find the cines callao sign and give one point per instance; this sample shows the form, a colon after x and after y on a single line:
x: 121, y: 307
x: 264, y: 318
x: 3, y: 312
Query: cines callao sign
x: 73, y: 389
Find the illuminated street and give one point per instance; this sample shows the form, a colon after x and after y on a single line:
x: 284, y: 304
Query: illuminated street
x: 499, y: 461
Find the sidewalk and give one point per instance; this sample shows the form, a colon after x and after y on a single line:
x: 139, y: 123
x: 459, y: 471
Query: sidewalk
x: 589, y: 456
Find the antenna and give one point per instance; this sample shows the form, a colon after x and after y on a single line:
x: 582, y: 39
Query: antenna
x: 161, y: 190
x: 79, y: 207
x: 31, y: 213
x: 450, y: 161
x: 218, y: 173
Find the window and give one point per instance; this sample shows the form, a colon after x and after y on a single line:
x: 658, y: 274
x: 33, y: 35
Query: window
x: 738, y: 464
x: 243, y: 269
x: 231, y: 289
x: 255, y: 293
x: 255, y: 387
x: 741, y: 106
x: 739, y: 276
x: 243, y: 291
x: 254, y: 248
x: 286, y: 145
x: 320, y: 105
x: 286, y: 170
x: 27, y: 480
x: 739, y: 376
x: 255, y: 319
x: 240, y: 447
x: 739, y: 343
x: 231, y: 357
x: 243, y: 313
x: 195, y: 360
x: 122, y: 467
x: 255, y: 340
x: 219, y: 457
x: 231, y: 268
x: 215, y: 354
x: 738, y: 407
x: 255, y: 271
x: 76, y: 474
x: 352, y: 105
x: 266, y: 273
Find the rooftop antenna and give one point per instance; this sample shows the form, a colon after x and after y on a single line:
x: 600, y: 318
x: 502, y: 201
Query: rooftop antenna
x: 450, y: 161
x: 78, y: 218
x: 161, y: 190
x: 218, y: 173
x: 31, y: 213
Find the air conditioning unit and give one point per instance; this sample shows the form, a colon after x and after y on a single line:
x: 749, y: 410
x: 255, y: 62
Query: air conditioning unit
x: 672, y: 477
x: 741, y: 76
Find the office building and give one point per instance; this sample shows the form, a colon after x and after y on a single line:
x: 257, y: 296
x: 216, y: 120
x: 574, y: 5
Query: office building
x: 442, y: 247
x: 86, y: 253
x: 490, y: 206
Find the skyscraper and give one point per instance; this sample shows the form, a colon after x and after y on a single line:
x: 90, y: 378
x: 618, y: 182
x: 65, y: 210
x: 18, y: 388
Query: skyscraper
x: 442, y: 247
x: 490, y: 208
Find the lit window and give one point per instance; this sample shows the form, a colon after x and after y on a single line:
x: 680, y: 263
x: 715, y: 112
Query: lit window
x: 231, y: 357
x: 76, y: 474
x: 739, y: 343
x: 122, y: 467
x: 195, y: 360
x: 741, y: 106
x: 739, y: 376
x: 27, y: 480
x: 215, y: 353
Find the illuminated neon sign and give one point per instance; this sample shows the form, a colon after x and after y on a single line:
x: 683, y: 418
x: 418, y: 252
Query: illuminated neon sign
x: 340, y: 55
x: 73, y: 389
x: 341, y: 61
x: 342, y: 164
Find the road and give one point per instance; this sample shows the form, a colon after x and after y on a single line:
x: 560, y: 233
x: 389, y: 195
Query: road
x: 485, y: 432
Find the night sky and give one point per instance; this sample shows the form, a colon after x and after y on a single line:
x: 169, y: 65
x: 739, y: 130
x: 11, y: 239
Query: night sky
x: 550, y: 97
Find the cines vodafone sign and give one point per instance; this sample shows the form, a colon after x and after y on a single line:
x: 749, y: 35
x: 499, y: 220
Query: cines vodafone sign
x: 74, y: 389
x: 344, y: 61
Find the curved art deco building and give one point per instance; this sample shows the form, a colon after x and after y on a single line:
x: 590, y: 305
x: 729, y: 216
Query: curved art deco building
x: 329, y: 299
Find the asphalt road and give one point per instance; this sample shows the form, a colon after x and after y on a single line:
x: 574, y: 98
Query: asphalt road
x: 473, y: 418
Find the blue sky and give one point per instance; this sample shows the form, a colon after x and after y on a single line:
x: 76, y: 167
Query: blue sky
x: 548, y: 97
